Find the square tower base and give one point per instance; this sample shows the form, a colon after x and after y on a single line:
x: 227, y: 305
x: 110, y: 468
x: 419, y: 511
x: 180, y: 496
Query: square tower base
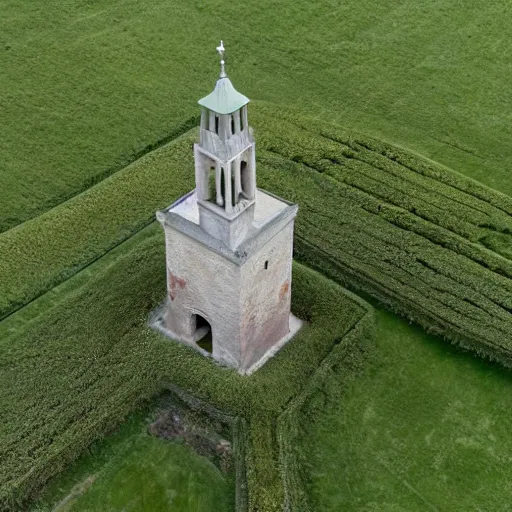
x: 242, y: 294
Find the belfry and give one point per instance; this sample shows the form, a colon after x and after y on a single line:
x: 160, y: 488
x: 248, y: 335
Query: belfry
x: 228, y: 245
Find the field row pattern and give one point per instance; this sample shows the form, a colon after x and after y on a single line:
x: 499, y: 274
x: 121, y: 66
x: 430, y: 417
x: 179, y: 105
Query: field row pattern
x: 76, y: 370
x: 429, y: 244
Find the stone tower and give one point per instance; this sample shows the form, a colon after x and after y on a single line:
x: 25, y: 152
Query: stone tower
x: 228, y: 245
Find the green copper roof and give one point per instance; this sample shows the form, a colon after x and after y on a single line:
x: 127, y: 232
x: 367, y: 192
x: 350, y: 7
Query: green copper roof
x: 224, y: 99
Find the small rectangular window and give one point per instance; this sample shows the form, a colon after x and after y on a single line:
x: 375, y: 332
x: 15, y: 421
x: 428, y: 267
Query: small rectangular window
x: 266, y: 265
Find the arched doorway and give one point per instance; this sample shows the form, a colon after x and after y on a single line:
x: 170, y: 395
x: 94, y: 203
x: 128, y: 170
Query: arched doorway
x: 203, y: 332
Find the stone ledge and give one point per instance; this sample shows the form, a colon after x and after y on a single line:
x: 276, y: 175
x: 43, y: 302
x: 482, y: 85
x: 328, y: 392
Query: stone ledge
x: 247, y: 248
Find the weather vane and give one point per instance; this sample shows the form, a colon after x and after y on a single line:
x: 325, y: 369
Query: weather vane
x: 220, y: 51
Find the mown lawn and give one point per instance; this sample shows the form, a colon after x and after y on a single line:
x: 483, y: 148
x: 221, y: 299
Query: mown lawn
x: 132, y: 470
x: 87, y: 86
x: 424, y: 428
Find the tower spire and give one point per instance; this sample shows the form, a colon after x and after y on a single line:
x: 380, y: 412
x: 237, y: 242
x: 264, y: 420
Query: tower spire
x: 220, y: 51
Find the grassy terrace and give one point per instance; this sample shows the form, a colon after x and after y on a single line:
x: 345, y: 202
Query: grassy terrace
x: 132, y: 470
x: 88, y: 86
x: 372, y: 216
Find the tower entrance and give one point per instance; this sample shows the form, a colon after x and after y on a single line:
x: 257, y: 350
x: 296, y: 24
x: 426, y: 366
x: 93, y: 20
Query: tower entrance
x: 202, y: 332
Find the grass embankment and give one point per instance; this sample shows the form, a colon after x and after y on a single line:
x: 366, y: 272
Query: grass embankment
x: 132, y: 470
x: 424, y: 427
x: 88, y: 87
x: 78, y: 368
x: 41, y: 253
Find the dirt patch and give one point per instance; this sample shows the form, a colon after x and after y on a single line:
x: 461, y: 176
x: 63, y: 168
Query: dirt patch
x: 178, y: 425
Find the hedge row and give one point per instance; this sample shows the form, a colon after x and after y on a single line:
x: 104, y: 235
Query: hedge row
x: 419, y: 238
x: 87, y: 360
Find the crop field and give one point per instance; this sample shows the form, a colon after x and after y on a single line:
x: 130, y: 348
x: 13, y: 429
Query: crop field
x: 418, y: 225
x: 86, y: 359
x: 431, y: 245
x: 89, y: 86
x: 302, y: 163
x: 388, y: 124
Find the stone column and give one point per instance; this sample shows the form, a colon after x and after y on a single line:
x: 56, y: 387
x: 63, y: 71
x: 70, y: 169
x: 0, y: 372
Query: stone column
x: 252, y: 172
x: 218, y: 171
x: 238, y: 185
x: 212, y: 121
x: 201, y: 175
x: 236, y: 119
x: 204, y: 118
x: 227, y: 186
x: 245, y: 123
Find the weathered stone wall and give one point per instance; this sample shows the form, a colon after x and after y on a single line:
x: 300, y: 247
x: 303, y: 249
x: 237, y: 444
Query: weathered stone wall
x: 203, y: 282
x: 230, y: 232
x: 247, y: 306
x: 265, y: 296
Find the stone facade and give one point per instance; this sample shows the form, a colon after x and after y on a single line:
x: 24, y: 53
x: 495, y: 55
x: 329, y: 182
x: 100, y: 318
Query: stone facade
x: 228, y: 246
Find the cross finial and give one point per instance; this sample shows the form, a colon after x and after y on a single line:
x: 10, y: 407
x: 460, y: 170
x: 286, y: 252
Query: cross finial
x: 220, y: 51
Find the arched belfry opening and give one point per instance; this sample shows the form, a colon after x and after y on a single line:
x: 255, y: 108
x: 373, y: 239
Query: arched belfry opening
x: 225, y: 143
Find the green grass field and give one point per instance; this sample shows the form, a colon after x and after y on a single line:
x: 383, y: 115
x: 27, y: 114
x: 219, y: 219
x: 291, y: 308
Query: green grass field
x: 89, y: 85
x: 424, y: 428
x: 92, y: 321
x: 132, y: 470
x: 97, y: 102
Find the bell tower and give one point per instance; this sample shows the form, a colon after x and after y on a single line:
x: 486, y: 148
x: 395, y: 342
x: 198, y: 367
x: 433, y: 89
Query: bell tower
x: 225, y: 163
x: 229, y: 246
